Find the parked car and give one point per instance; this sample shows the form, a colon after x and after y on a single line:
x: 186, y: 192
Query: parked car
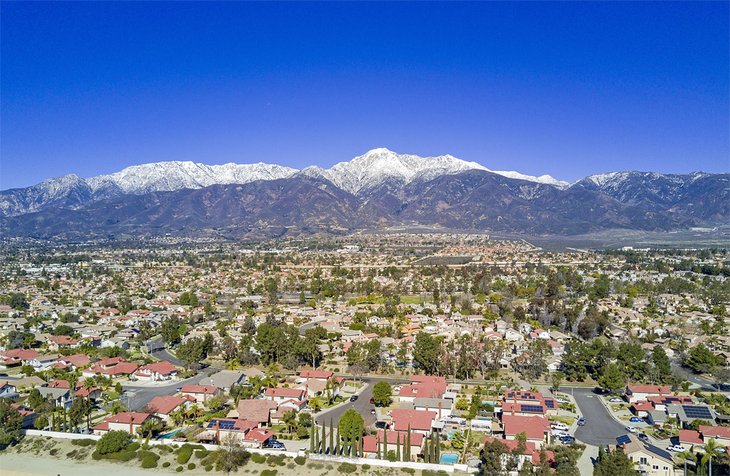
x: 631, y: 429
x: 677, y: 448
x: 372, y: 411
x: 559, y: 426
x: 635, y: 419
x: 644, y: 437
x: 178, y: 389
x: 559, y: 433
x: 567, y: 440
x: 616, y: 400
x: 372, y: 401
x: 275, y: 445
x: 383, y: 425
x: 353, y: 398
x: 581, y: 421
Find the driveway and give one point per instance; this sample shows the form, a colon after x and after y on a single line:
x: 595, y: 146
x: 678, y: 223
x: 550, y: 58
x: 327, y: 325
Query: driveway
x: 362, y: 405
x: 158, y: 351
x: 600, y: 428
x: 136, y: 397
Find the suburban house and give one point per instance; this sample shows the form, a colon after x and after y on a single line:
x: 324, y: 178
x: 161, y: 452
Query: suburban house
x: 524, y: 403
x: 42, y: 362
x: 423, y: 386
x: 279, y: 395
x: 530, y: 454
x: 535, y: 428
x: 649, y: 459
x: 637, y: 393
x: 721, y: 434
x: 162, y: 370
x: 246, y: 433
x: 8, y: 390
x: 418, y: 421
x: 125, y: 421
x: 374, y: 444
x: 256, y: 410
x: 225, y: 379
x: 61, y: 397
x: 75, y: 361
x: 163, y: 405
x: 200, y: 393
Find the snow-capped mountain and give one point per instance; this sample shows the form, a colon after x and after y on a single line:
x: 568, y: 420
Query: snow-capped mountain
x: 176, y: 175
x: 359, y: 175
x: 380, y: 165
x: 377, y: 166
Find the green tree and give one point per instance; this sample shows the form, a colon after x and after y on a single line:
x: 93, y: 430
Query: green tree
x: 382, y: 394
x: 612, y: 378
x: 701, y: 360
x: 492, y: 457
x: 113, y: 442
x: 426, y: 352
x: 10, y: 423
x: 614, y: 463
x: 351, y: 426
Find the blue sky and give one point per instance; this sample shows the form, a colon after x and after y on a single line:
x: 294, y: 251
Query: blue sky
x: 564, y: 88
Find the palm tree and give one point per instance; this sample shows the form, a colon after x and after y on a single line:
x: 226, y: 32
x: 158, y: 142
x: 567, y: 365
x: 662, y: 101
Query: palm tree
x: 315, y: 403
x: 686, y: 456
x: 290, y: 419
x: 711, y: 448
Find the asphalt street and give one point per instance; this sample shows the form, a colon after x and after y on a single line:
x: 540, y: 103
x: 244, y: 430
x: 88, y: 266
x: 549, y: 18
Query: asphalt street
x: 600, y: 428
x: 362, y: 405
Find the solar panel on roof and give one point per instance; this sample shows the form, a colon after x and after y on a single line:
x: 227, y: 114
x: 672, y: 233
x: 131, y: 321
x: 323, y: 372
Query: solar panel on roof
x: 694, y: 411
x: 550, y: 403
x: 623, y: 440
x: 531, y: 408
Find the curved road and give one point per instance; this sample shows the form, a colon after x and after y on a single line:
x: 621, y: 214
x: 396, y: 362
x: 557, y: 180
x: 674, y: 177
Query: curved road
x: 600, y: 429
x: 362, y: 405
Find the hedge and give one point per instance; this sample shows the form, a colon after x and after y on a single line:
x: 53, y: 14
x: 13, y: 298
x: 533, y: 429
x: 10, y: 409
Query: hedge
x: 149, y: 459
x: 184, y: 454
x: 80, y: 442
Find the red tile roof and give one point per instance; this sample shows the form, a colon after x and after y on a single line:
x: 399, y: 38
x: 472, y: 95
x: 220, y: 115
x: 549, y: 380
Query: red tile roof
x: 318, y: 374
x: 165, y: 404
x: 690, y: 436
x: 205, y: 389
x: 418, y: 420
x: 715, y: 432
x: 296, y: 393
x: 534, y: 427
x: 652, y: 389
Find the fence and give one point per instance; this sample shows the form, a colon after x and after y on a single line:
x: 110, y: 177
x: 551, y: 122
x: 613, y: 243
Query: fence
x: 449, y: 468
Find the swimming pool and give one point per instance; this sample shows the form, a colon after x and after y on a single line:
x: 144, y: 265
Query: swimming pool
x: 168, y: 436
x: 449, y: 458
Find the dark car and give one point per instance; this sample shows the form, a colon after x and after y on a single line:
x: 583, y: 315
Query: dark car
x: 644, y: 437
x: 567, y: 440
x: 383, y: 425
x: 372, y: 401
x: 275, y: 445
x: 353, y: 398
x: 581, y: 421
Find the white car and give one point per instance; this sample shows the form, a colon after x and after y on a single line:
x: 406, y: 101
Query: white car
x: 559, y: 426
x: 677, y: 448
x: 616, y: 400
x: 559, y: 433
x: 631, y: 429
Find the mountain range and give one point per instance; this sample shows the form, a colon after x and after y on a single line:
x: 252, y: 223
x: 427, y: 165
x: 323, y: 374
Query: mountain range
x: 376, y: 190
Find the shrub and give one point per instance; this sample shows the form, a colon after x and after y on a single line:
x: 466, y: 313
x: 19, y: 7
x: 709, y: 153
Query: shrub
x: 112, y: 442
x: 258, y: 458
x: 269, y: 472
x: 95, y: 456
x: 166, y: 464
x: 209, y: 468
x: 300, y: 460
x: 201, y: 454
x: 80, y: 442
x: 71, y: 454
x: 408, y: 470
x: 184, y: 453
x: 191, y: 466
x: 346, y: 468
x: 366, y: 467
x: 179, y: 469
x: 276, y: 460
x: 149, y: 459
x: 53, y: 452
